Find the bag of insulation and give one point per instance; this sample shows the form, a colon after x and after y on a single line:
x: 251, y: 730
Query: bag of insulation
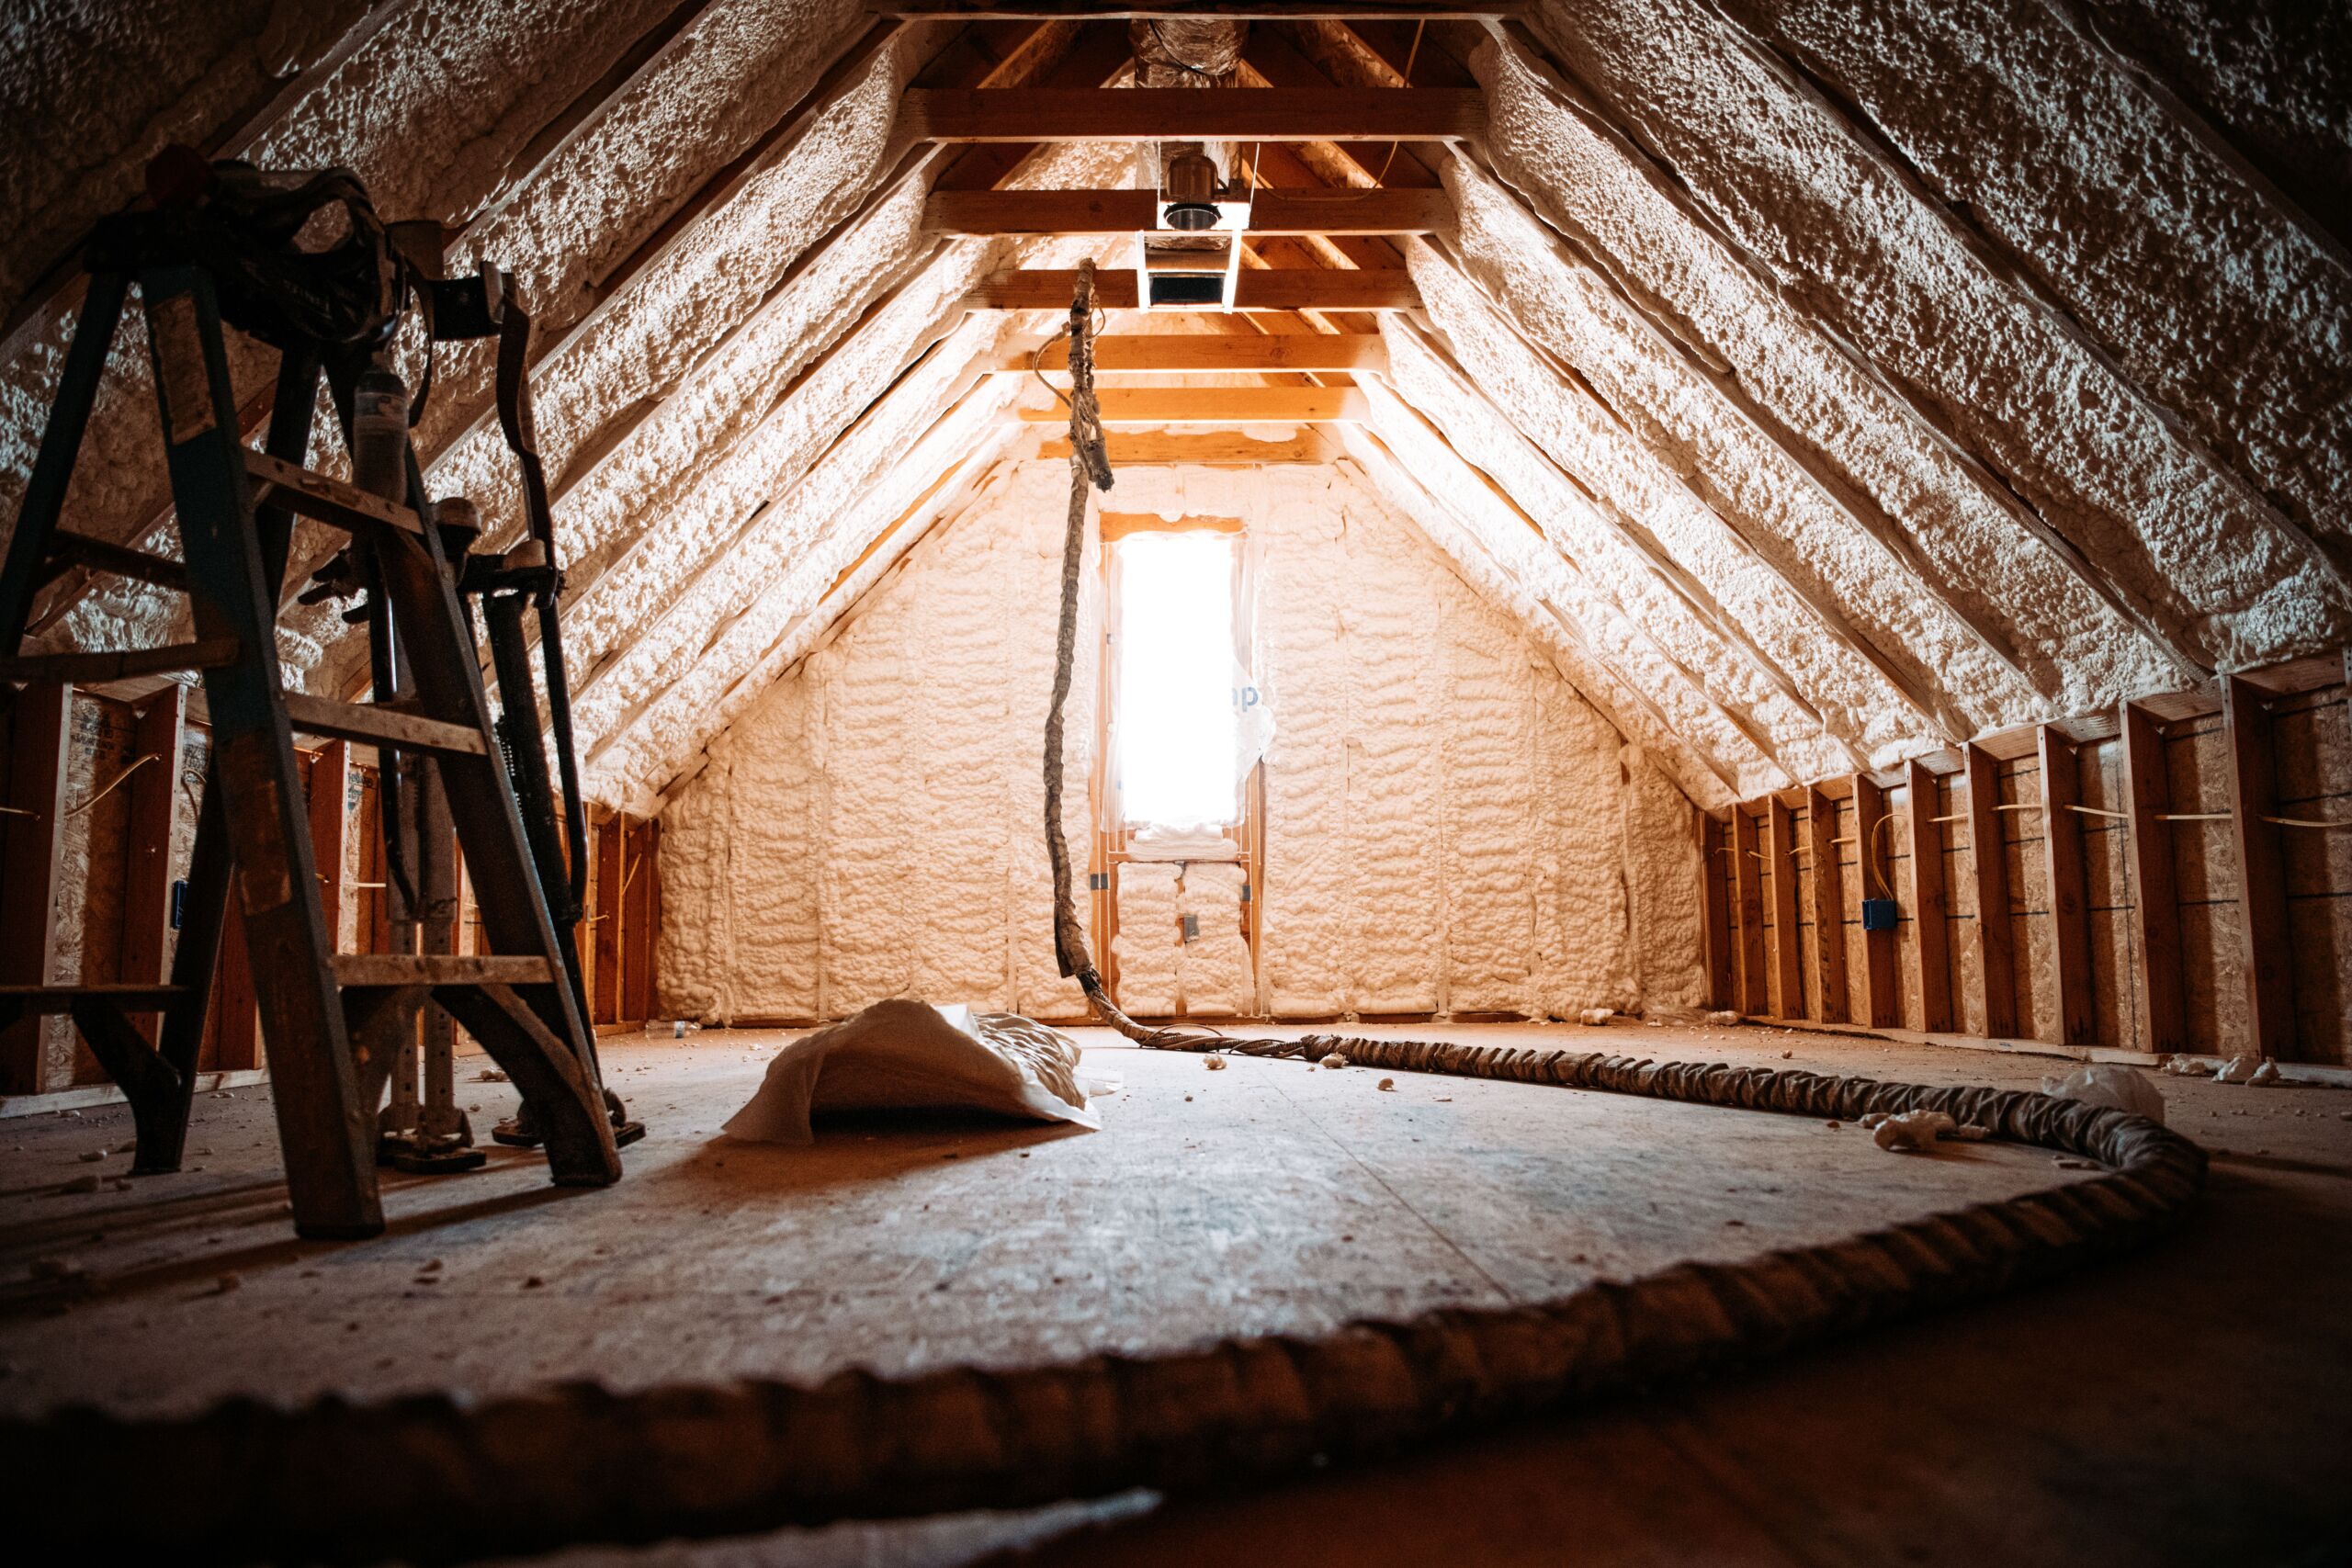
x: 902, y: 1054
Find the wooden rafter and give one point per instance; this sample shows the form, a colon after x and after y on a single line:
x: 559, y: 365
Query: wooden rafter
x: 1132, y: 114
x: 1204, y: 354
x: 1258, y: 10
x: 1216, y: 405
x: 1220, y: 449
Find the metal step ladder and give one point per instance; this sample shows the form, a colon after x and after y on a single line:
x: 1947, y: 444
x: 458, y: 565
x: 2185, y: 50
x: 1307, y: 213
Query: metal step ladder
x: 331, y: 1023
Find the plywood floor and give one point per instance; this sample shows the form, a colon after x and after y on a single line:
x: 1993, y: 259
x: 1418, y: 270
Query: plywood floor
x: 2185, y: 1406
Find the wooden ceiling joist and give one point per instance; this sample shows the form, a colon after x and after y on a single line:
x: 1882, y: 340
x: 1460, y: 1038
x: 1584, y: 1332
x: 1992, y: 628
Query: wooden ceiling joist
x: 977, y: 212
x: 1190, y: 354
x: 1147, y: 114
x: 1218, y: 449
x: 1289, y: 288
x: 1216, y: 405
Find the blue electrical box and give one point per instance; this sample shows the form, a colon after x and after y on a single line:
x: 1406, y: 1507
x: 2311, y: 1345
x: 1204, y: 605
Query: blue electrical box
x: 179, y: 901
x: 1878, y: 914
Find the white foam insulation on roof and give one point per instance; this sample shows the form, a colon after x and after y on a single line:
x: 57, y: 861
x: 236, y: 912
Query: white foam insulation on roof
x: 1811, y: 385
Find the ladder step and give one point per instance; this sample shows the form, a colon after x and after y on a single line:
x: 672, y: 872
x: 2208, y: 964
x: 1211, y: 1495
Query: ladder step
x: 454, y: 969
x: 61, y: 998
x: 281, y: 484
x: 67, y: 547
x: 120, y: 664
x: 372, y: 723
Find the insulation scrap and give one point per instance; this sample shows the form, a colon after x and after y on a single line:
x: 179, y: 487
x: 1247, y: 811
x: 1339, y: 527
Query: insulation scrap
x: 2119, y: 1088
x: 2265, y: 1075
x: 1212, y: 1062
x: 903, y: 1053
x: 1913, y: 1131
x: 1596, y: 1016
x: 1388, y: 1084
x: 2238, y: 1069
x: 1725, y: 1019
x: 1335, y: 1060
x: 2187, y: 1067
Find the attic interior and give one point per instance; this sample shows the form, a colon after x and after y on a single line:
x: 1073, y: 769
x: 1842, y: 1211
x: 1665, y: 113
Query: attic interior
x: 804, y: 782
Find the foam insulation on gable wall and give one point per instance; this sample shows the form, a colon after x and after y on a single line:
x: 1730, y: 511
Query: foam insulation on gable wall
x: 1449, y: 824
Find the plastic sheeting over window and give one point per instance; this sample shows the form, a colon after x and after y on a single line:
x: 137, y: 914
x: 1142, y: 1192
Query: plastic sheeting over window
x: 1179, y: 731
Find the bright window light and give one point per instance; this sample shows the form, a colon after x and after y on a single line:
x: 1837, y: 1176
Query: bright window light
x: 1176, y: 743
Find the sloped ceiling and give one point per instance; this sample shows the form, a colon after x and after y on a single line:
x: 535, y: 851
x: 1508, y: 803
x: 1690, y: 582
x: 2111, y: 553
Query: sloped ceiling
x: 1822, y: 383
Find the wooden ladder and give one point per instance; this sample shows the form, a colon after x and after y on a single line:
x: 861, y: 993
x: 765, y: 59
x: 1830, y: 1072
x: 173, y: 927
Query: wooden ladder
x: 331, y: 1023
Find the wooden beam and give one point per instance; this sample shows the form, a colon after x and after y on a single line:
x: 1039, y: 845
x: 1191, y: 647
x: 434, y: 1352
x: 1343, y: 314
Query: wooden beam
x: 1780, y: 861
x: 119, y: 664
x: 1715, y: 899
x: 2068, y: 896
x: 33, y: 831
x: 606, y: 1002
x: 235, y: 1024
x: 2156, y: 902
x: 147, y: 868
x: 1755, y: 991
x: 2263, y: 944
x: 1828, y: 907
x: 1133, y: 448
x: 1996, y: 985
x: 1930, y: 907
x: 1147, y: 114
x: 1378, y: 210
x: 1878, y: 947
x: 1285, y: 288
x: 636, y: 921
x: 1210, y: 354
x: 330, y: 785
x: 1216, y: 405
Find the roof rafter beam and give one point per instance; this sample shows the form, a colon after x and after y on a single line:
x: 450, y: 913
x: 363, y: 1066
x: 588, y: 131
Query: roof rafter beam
x: 1214, y: 406
x: 1198, y: 355
x: 1285, y: 289
x: 1239, y: 10
x: 1147, y: 114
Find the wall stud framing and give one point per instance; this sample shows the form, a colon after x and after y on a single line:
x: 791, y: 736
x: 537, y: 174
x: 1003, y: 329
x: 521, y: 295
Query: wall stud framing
x: 1829, y: 906
x: 1930, y: 924
x: 32, y: 788
x: 1715, y: 850
x: 2062, y: 858
x: 2262, y: 875
x: 1996, y: 982
x: 147, y: 868
x: 330, y: 785
x: 2147, y: 790
x: 1878, y: 947
x: 1754, y: 992
x: 1780, y: 852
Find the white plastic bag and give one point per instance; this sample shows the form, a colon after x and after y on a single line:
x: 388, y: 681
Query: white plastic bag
x: 2117, y: 1088
x: 906, y: 1055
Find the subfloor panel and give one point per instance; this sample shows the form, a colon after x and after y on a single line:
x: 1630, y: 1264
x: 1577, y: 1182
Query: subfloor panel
x: 2179, y: 1405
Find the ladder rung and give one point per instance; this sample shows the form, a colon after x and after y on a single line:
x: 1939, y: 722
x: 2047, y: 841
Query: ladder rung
x: 451, y: 969
x: 372, y: 723
x: 61, y: 998
x: 79, y: 549
x: 120, y: 664
x: 315, y: 495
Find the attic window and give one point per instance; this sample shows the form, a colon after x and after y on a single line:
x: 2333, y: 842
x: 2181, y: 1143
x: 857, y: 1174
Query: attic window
x: 1176, y: 742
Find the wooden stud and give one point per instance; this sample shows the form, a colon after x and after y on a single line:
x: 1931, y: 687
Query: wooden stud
x: 1144, y: 114
x: 637, y: 922
x: 2068, y: 899
x: 2262, y: 945
x: 31, y: 835
x: 1280, y: 288
x: 1930, y: 922
x: 1828, y: 904
x: 1205, y: 353
x: 330, y: 784
x: 1216, y: 405
x: 1754, y: 991
x: 1714, y: 897
x: 1996, y: 985
x: 606, y: 1003
x: 1780, y: 860
x: 1878, y: 947
x: 147, y: 870
x: 1264, y: 10
x: 2147, y: 792
x: 236, y: 1010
